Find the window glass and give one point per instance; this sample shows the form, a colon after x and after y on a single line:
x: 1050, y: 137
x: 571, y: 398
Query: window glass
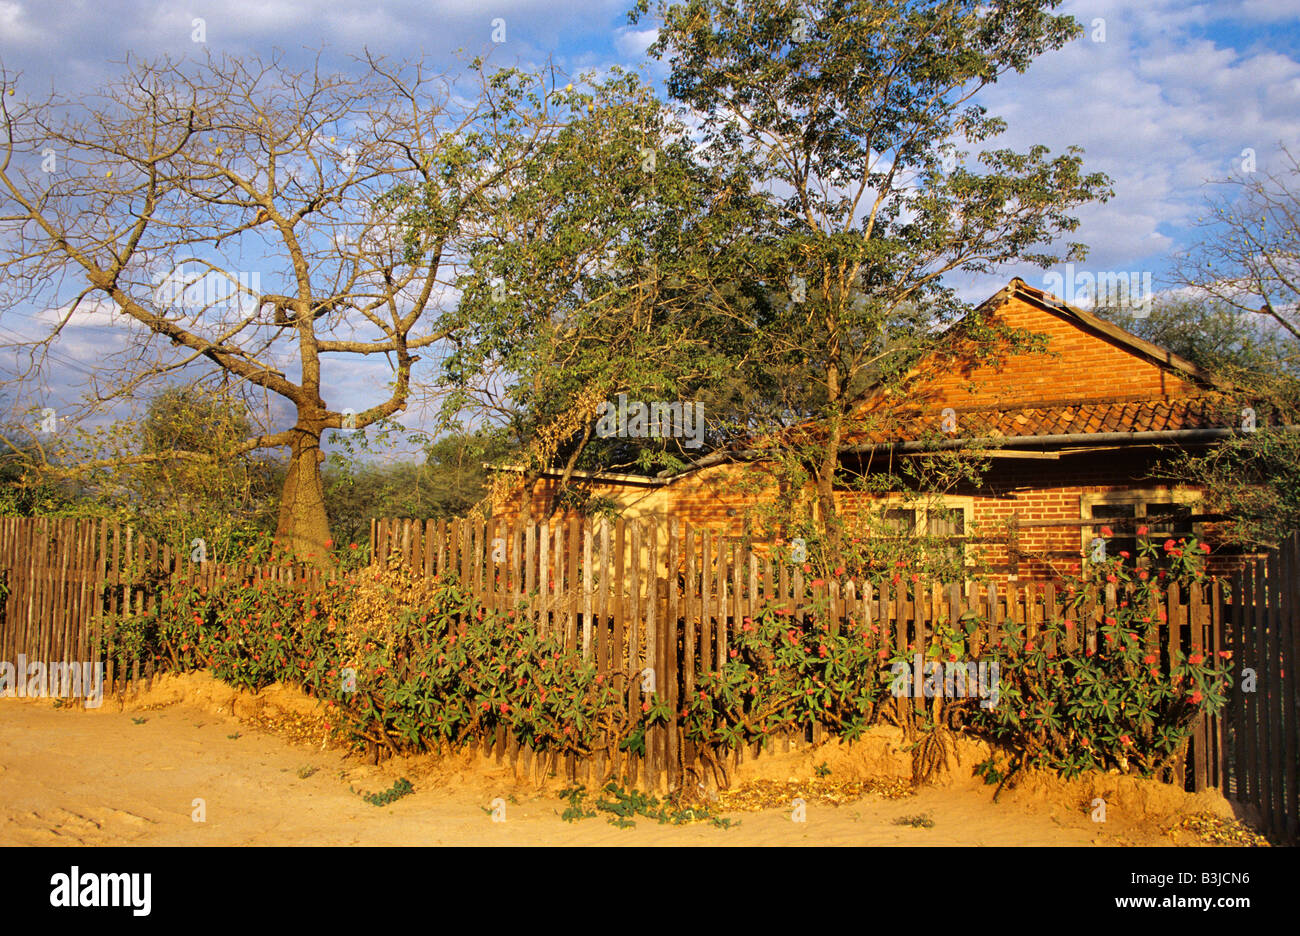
x: 948, y: 523
x: 1125, y: 539
x: 900, y: 520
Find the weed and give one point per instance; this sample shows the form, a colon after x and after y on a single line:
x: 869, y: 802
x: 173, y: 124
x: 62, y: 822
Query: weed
x: 923, y: 821
x: 399, y: 789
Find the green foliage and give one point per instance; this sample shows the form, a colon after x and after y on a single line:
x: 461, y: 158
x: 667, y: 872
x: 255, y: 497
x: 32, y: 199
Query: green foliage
x: 400, y: 788
x: 406, y: 665
x: 1213, y: 335
x: 1255, y: 479
x: 922, y: 821
x: 845, y: 118
x: 595, y: 275
x: 176, y: 475
x: 1126, y: 704
x: 786, y: 671
x: 447, y: 483
x: 624, y: 805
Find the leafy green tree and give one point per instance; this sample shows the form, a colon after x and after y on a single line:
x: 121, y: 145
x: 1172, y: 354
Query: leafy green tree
x: 599, y: 271
x: 450, y: 482
x: 1217, y: 337
x: 847, y: 117
x: 177, y: 474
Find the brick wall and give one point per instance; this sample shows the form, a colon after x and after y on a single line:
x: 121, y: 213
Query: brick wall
x: 1077, y: 365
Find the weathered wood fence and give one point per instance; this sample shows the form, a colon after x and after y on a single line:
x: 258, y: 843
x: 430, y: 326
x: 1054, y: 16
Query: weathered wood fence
x: 663, y: 599
x: 656, y: 604
x: 61, y: 577
x: 1263, y: 721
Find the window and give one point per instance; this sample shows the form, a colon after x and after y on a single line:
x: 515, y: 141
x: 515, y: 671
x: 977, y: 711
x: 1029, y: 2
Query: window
x: 948, y: 518
x: 1166, y: 514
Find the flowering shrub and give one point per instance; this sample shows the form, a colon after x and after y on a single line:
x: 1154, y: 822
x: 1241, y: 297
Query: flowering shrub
x: 408, y: 664
x: 1124, y: 704
x: 405, y: 664
x: 787, y: 671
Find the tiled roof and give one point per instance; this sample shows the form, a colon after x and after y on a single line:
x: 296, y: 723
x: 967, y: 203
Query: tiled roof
x: 1201, y: 412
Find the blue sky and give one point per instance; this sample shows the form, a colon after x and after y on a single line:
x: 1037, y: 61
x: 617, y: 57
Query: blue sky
x: 1166, y: 104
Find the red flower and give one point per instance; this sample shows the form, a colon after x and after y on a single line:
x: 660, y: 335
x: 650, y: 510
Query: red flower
x: 1169, y: 545
x: 1125, y: 739
x: 1107, y: 531
x: 1149, y: 659
x: 1205, y: 548
x: 1196, y: 697
x: 1195, y: 658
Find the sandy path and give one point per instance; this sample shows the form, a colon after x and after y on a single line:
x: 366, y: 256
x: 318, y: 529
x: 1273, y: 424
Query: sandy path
x: 73, y: 777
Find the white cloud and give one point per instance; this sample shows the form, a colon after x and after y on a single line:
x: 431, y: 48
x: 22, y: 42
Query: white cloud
x: 14, y: 24
x: 634, y: 42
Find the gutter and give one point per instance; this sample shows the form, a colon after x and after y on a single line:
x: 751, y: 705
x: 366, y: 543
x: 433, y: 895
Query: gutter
x: 986, y: 445
x: 1073, y: 438
x: 996, y: 442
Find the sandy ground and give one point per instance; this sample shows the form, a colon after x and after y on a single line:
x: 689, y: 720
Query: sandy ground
x: 130, y: 772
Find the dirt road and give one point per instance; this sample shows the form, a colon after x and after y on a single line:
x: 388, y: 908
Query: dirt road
x: 145, y: 774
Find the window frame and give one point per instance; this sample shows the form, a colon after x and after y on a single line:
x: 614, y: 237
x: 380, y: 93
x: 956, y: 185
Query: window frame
x: 964, y: 503
x: 1141, y: 499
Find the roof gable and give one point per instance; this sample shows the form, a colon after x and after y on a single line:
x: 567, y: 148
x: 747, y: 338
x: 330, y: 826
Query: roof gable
x: 1092, y: 376
x: 1086, y: 359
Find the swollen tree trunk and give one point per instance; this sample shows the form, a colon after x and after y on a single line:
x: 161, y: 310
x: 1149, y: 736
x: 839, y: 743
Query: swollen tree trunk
x: 303, y: 526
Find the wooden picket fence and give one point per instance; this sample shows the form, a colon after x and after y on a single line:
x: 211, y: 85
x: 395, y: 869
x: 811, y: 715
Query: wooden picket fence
x: 656, y: 603
x: 1263, y: 721
x: 62, y: 577
x: 662, y: 599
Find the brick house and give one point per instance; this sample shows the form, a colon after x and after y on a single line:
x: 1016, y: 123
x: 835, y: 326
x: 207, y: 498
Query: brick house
x: 1076, y: 436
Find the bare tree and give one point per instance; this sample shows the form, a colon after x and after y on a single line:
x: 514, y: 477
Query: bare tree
x: 1250, y: 258
x: 251, y: 220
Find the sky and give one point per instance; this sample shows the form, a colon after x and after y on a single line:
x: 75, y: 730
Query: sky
x: 1167, y: 97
